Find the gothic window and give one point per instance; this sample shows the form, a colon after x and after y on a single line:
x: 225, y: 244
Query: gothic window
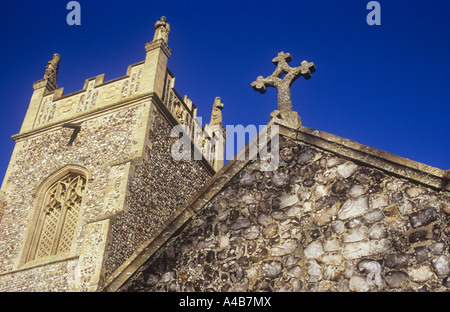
x: 58, y: 217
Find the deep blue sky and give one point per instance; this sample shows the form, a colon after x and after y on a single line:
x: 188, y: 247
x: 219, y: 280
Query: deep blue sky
x: 384, y: 86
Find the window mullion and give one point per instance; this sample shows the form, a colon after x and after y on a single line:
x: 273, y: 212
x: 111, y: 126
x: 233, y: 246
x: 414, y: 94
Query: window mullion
x: 60, y: 227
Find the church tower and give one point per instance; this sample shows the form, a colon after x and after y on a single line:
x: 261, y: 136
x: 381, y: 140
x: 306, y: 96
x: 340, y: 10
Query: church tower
x: 91, y: 178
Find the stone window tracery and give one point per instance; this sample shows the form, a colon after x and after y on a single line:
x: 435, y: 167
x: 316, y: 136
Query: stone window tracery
x: 58, y: 217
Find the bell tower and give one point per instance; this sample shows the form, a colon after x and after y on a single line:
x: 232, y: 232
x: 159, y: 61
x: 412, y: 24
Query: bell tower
x: 91, y: 178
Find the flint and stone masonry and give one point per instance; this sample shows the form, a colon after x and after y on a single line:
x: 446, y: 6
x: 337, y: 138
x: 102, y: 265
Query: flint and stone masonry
x: 93, y: 201
x: 320, y: 222
x: 117, y: 136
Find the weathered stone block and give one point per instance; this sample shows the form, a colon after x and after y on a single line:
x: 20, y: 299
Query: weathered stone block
x: 353, y: 207
x: 355, y: 235
x: 423, y: 217
x: 398, y: 260
x: 346, y: 170
x: 286, y: 248
x: 314, y: 250
x: 421, y: 273
x: 271, y: 269
x: 397, y: 279
x: 441, y: 266
x: 288, y: 200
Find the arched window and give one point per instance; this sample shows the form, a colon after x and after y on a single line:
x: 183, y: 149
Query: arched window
x: 58, y: 217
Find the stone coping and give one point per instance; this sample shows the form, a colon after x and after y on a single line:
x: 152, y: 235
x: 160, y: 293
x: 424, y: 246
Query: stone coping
x: 429, y: 176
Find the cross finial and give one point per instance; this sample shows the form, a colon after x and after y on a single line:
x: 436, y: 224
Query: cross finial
x: 283, y: 85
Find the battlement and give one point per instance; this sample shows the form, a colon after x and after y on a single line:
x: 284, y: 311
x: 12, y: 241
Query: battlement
x: 112, y: 144
x: 50, y: 108
x: 95, y: 95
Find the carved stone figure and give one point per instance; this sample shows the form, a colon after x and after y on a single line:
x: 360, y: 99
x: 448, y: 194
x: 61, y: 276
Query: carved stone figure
x: 216, y: 115
x: 162, y: 30
x: 51, y: 70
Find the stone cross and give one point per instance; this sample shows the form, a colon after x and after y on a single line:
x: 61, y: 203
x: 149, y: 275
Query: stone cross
x: 283, y: 85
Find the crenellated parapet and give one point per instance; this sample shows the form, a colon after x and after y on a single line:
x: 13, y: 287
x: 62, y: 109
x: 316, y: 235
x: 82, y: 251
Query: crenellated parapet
x: 50, y: 108
x: 96, y: 94
x: 92, y: 176
x: 210, y: 138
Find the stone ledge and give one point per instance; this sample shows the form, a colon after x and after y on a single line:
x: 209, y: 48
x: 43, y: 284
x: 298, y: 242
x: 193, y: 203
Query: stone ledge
x: 158, y: 44
x: 40, y: 263
x: 135, y: 100
x: 430, y: 176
